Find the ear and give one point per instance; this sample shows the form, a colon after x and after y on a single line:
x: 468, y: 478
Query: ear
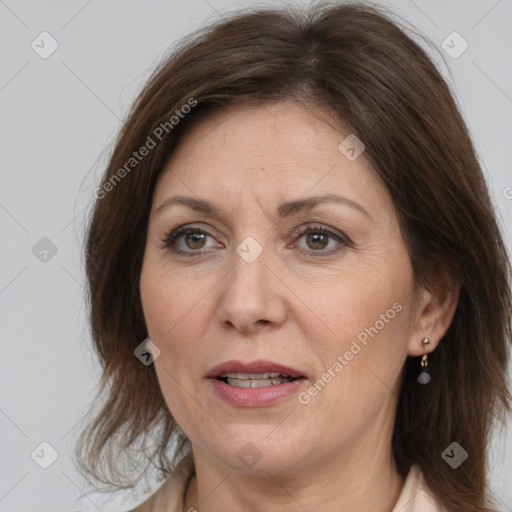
x: 435, y: 307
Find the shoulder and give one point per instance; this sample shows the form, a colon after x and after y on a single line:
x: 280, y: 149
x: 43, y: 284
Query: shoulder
x: 170, y: 494
x: 416, y: 496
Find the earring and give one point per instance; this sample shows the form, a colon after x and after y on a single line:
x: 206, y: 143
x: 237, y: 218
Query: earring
x: 424, y: 376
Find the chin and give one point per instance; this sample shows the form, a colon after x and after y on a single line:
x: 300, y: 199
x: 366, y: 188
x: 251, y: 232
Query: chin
x: 256, y: 454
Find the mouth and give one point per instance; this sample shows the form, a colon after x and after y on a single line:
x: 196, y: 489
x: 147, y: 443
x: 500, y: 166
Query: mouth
x: 256, y: 383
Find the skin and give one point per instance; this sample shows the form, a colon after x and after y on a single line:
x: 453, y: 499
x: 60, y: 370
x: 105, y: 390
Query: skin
x: 299, y: 303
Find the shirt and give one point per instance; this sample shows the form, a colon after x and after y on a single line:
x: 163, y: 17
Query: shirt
x: 413, y: 497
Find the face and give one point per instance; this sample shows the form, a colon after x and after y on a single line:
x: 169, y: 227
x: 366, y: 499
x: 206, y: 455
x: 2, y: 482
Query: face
x: 324, y: 289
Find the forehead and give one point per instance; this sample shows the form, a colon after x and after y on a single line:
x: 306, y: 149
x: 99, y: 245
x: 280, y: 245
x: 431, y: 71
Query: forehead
x: 278, y: 151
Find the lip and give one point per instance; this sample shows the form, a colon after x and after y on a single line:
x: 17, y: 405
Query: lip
x: 259, y: 366
x: 254, y: 397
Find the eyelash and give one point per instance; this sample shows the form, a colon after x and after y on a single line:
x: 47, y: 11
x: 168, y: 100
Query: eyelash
x: 173, y: 236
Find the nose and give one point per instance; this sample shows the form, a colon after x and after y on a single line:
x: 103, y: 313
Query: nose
x: 252, y: 297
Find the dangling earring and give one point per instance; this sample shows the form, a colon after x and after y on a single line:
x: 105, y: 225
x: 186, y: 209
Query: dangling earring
x: 424, y: 376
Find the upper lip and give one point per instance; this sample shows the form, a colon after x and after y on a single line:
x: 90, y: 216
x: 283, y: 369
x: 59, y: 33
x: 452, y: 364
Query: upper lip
x: 259, y: 366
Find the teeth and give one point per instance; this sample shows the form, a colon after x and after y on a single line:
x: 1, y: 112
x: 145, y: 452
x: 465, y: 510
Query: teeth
x: 255, y: 375
x: 246, y: 376
x: 256, y: 383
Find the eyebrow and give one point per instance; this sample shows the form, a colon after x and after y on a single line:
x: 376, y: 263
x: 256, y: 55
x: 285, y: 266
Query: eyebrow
x: 285, y: 209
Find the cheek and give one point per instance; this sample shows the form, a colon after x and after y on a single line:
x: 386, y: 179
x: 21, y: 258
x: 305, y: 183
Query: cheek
x: 363, y: 331
x: 170, y: 302
x: 354, y: 301
x: 359, y: 366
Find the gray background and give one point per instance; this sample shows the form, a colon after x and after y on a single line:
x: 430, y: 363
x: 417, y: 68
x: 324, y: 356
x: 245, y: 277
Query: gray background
x: 58, y: 116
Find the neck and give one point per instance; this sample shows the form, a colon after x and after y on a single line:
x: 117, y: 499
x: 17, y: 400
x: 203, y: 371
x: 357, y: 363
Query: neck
x: 361, y: 482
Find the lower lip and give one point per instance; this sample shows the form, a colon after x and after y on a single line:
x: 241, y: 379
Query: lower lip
x: 255, y: 397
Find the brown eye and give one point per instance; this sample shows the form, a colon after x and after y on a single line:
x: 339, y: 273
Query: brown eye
x: 194, y: 240
x: 318, y: 239
x: 186, y: 240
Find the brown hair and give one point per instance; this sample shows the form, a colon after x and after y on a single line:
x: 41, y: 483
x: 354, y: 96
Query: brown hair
x: 358, y: 64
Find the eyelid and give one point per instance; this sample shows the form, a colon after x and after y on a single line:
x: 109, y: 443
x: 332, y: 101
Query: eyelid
x: 302, y: 229
x: 173, y: 234
x: 343, y: 240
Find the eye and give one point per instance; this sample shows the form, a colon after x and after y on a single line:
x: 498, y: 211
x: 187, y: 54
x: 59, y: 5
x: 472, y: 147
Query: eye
x: 187, y: 240
x: 191, y: 240
x: 316, y: 238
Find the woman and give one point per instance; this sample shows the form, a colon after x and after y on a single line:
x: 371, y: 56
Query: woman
x: 299, y: 292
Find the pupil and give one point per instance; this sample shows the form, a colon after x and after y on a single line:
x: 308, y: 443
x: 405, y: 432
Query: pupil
x: 317, y: 238
x: 195, y: 238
